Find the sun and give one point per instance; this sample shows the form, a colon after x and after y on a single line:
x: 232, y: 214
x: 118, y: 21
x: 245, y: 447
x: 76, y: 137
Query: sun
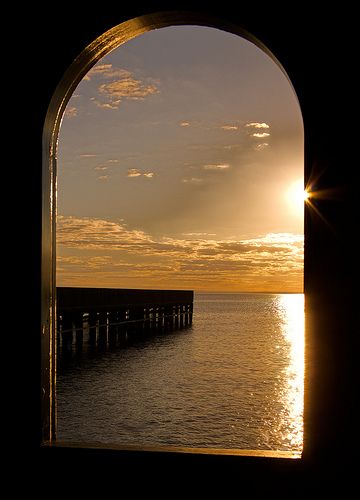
x: 296, y: 195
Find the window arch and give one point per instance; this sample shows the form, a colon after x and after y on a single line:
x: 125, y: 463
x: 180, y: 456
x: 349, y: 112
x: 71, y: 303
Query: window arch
x: 100, y: 47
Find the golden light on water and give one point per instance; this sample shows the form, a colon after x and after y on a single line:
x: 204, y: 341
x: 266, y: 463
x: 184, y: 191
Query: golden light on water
x: 291, y: 308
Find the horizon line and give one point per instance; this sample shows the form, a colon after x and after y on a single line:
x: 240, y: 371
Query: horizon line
x: 189, y: 289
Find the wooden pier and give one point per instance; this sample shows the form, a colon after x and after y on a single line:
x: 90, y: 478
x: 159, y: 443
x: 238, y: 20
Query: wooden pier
x: 106, y: 317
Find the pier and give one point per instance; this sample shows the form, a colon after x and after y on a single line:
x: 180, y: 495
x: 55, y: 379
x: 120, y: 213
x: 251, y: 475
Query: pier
x: 108, y: 317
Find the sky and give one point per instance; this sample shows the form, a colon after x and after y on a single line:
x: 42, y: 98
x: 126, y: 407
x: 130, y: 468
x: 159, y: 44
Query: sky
x: 180, y: 163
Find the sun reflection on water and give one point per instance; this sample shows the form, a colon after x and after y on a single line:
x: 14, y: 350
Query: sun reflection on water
x: 291, y: 310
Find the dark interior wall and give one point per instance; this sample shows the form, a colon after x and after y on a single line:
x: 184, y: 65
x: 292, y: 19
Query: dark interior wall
x: 313, y: 46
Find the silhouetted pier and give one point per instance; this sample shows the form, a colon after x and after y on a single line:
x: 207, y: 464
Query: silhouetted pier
x: 109, y: 317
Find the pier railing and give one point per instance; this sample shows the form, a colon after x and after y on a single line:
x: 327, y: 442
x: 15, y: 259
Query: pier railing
x: 108, y: 317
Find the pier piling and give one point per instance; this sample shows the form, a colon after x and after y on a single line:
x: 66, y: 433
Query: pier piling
x: 105, y: 317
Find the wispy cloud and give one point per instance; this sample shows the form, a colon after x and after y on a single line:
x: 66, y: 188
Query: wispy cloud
x: 82, y: 263
x: 73, y: 260
x: 192, y: 180
x: 126, y: 88
x: 205, y: 177
x: 106, y: 71
x: 90, y: 233
x: 198, y: 234
x: 260, y: 135
x: 133, y: 172
x: 257, y: 125
x: 103, y: 178
x: 123, y: 85
x: 261, y: 146
x: 101, y: 168
x: 98, y: 261
x: 85, y: 244
x: 216, y: 166
x: 230, y: 147
x: 120, y: 84
x: 71, y: 112
x: 106, y: 105
x: 229, y: 127
x: 184, y: 124
x: 87, y: 155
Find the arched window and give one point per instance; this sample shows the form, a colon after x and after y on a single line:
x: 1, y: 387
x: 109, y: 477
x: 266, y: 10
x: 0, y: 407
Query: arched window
x: 232, y: 165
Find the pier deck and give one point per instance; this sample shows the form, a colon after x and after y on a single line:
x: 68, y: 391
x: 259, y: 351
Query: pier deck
x: 108, y: 316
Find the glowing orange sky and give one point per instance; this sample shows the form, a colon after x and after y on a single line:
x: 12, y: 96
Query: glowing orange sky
x: 177, y: 154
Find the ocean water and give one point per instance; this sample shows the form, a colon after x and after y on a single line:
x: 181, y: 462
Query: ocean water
x: 232, y: 380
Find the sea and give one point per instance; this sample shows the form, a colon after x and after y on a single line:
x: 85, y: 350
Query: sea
x: 233, y: 380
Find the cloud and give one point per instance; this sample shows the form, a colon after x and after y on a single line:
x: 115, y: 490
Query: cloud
x: 81, y: 262
x: 192, y: 180
x: 87, y: 232
x: 229, y: 147
x: 112, y: 161
x: 120, y: 84
x: 128, y: 88
x: 257, y: 125
x: 217, y: 166
x: 107, y: 105
x: 98, y: 261
x: 86, y: 155
x: 133, y: 172
x: 206, y: 177
x: 90, y: 233
x: 103, y: 178
x: 229, y: 127
x: 184, y: 124
x: 72, y: 260
x: 107, y: 252
x: 260, y: 135
x: 71, y: 112
x: 198, y: 234
x: 261, y: 146
x: 106, y: 71
x: 100, y: 167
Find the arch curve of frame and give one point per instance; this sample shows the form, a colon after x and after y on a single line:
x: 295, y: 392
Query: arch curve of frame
x: 100, y: 47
